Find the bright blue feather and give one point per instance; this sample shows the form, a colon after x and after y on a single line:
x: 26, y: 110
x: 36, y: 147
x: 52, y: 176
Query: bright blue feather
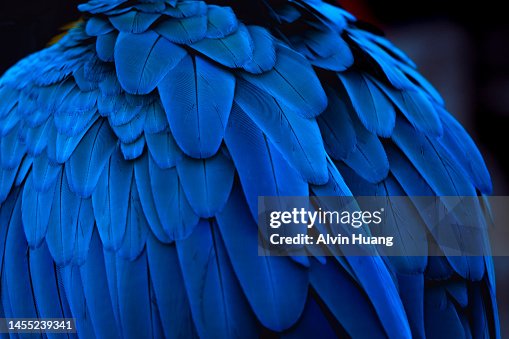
x: 142, y: 60
x: 264, y: 51
x: 134, y: 149
x: 197, y: 96
x: 98, y: 26
x: 221, y: 22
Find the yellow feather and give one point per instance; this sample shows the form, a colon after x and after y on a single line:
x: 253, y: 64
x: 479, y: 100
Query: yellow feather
x: 66, y: 28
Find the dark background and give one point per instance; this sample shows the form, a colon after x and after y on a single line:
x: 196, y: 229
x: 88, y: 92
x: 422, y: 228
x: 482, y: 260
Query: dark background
x: 462, y: 48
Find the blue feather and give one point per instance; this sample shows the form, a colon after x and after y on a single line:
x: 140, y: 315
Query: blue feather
x: 335, y: 185
x: 155, y: 121
x: 264, y: 51
x: 73, y: 287
x: 60, y: 146
x: 372, y: 107
x: 70, y: 225
x: 110, y: 200
x: 88, y: 160
x: 136, y: 230
x: 44, y: 173
x: 345, y: 300
x: 169, y: 290
x: 186, y: 9
x: 143, y: 60
x: 23, y: 170
x: 441, y: 317
x: 36, y: 210
x: 313, y: 323
x: 173, y: 208
x: 134, y: 296
x: 206, y: 182
x: 437, y: 169
x: 221, y: 22
x: 85, y: 82
x: 45, y: 285
x: 163, y: 149
x: 183, y: 30
x: 12, y: 149
x: 134, y: 22
x: 417, y: 108
x: 15, y: 266
x: 232, y: 51
x: 275, y: 287
x: 368, y: 158
x: 301, y: 92
x: 132, y: 130
x: 37, y: 138
x: 105, y: 46
x: 328, y: 50
x: 197, y: 96
x: 98, y: 26
x: 261, y: 168
x: 96, y: 291
x: 7, y: 177
x: 463, y: 148
x: 133, y: 150
x: 219, y: 307
x: 297, y: 138
x: 142, y: 176
x: 336, y: 127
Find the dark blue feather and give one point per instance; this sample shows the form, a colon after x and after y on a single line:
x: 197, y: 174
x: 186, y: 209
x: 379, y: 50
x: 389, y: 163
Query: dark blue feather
x: 134, y: 22
x: 345, y: 300
x: 16, y: 271
x: 36, y: 210
x: 206, y: 182
x: 232, y: 51
x: 70, y: 225
x: 170, y: 292
x: 142, y: 60
x: 96, y: 291
x: 261, y: 168
x: 275, y: 287
x: 264, y: 51
x: 98, y: 26
x: 172, y: 206
x: 197, y: 96
x: 141, y: 172
x: 336, y: 127
x: 44, y: 173
x: 155, y: 121
x: 218, y: 305
x: 297, y: 138
x: 372, y: 107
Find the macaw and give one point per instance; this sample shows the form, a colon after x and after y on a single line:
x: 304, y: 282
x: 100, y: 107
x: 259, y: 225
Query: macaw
x: 133, y: 152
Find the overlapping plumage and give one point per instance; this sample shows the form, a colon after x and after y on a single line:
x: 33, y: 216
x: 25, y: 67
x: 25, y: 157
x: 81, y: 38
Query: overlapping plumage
x: 132, y: 153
